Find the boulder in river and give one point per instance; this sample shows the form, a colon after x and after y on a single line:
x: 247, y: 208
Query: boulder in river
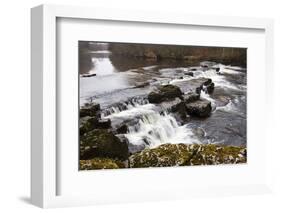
x: 102, y: 143
x: 199, y: 108
x: 189, y: 73
x: 191, y: 97
x: 210, y: 88
x: 192, y: 85
x: 180, y: 112
x: 164, y: 93
x: 188, y: 154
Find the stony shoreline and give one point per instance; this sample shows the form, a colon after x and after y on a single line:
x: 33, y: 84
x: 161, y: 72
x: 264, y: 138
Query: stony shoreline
x: 169, y: 155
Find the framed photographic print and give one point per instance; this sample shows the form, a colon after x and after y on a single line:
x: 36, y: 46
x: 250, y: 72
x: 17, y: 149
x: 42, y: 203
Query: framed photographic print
x: 149, y: 106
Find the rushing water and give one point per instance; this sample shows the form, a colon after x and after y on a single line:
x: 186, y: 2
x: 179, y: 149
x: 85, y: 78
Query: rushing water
x: 120, y: 87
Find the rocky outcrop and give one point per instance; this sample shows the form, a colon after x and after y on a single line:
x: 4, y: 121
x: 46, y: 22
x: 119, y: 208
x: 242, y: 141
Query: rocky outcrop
x: 186, y: 155
x: 191, y: 97
x: 90, y: 109
x: 200, y: 108
x: 89, y: 123
x: 193, y: 85
x: 164, y: 93
x: 101, y: 163
x: 102, y: 143
x: 209, y: 88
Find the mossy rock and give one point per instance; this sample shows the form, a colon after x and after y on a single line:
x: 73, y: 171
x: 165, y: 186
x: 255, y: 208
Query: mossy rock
x: 180, y: 109
x: 101, y: 163
x: 165, y: 93
x: 214, y: 155
x: 102, y: 143
x: 191, y: 97
x: 162, y: 156
x: 188, y: 154
x: 88, y: 123
x: 155, y: 97
x: 199, y: 108
x: 90, y: 109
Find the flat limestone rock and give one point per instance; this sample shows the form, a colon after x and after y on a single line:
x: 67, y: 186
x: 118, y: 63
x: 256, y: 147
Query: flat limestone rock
x: 192, y: 85
x: 187, y: 155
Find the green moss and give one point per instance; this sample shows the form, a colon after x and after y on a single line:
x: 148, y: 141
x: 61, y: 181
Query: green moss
x: 102, y: 143
x: 184, y: 155
x: 100, y: 163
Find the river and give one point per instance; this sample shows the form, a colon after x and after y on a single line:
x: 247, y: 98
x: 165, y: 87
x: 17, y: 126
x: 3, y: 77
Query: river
x: 121, y: 85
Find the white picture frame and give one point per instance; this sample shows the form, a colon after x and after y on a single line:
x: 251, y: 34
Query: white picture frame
x: 44, y: 169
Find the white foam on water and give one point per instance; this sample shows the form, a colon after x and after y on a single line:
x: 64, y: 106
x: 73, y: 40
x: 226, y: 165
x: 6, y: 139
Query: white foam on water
x: 155, y: 129
x: 218, y: 79
x: 205, y: 95
x: 132, y: 111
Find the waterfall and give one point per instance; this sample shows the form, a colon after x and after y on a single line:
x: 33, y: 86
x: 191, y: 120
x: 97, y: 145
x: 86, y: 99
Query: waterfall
x: 155, y: 129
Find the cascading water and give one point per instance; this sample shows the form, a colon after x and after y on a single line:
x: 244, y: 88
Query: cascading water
x: 154, y: 127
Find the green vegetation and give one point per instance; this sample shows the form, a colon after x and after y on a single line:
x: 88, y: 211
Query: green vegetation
x: 186, y: 155
x: 100, y: 163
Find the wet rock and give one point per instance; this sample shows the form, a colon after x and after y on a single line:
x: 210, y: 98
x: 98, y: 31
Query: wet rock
x: 199, y: 108
x: 102, y: 143
x: 206, y: 81
x: 187, y: 154
x: 155, y: 97
x: 123, y: 129
x: 189, y: 74
x: 191, y: 97
x: 103, y: 124
x: 90, y: 109
x: 181, y: 111
x: 134, y: 148
x: 194, y: 68
x: 207, y: 64
x: 101, y: 163
x: 210, y: 88
x: 87, y: 124
x: 164, y: 93
x: 193, y: 85
x: 88, y: 75
x: 167, y: 105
